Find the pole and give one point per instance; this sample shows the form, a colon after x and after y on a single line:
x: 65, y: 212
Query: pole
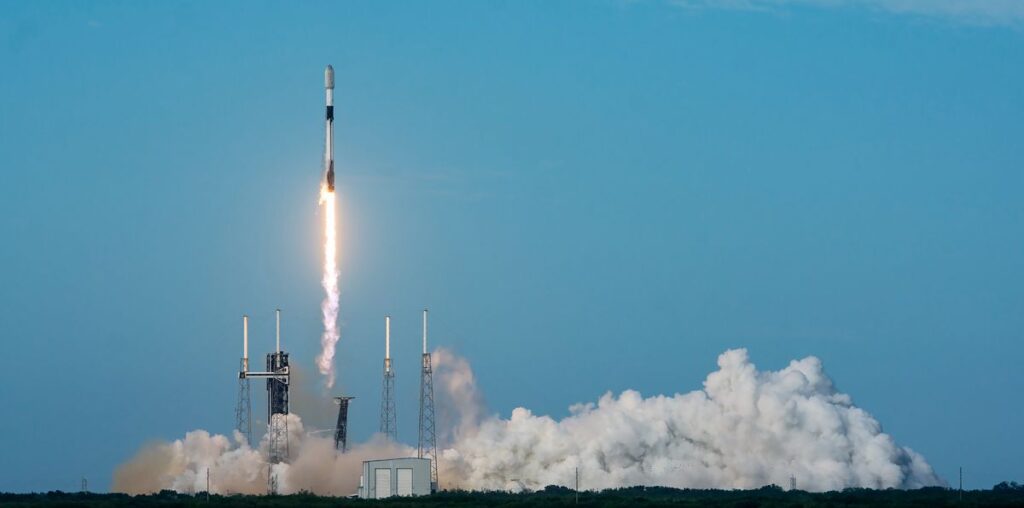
x: 578, y: 484
x: 245, y: 343
x: 278, y: 316
x: 207, y: 485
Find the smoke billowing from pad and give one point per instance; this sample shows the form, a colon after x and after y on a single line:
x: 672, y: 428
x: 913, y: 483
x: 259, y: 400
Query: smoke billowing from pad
x: 744, y: 429
x: 329, y: 307
x: 235, y: 468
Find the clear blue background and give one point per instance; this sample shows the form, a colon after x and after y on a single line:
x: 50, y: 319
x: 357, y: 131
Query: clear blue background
x: 589, y: 196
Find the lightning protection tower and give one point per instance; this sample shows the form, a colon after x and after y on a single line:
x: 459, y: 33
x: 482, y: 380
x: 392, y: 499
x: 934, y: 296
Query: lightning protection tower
x: 428, y: 437
x: 388, y: 425
x: 243, y: 410
x: 341, y: 429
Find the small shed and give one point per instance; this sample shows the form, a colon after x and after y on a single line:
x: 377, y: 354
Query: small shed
x: 395, y: 477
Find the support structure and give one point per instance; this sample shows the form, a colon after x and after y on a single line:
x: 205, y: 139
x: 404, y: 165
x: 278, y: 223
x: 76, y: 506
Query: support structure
x: 388, y: 420
x: 243, y: 410
x: 341, y: 429
x: 277, y: 401
x: 278, y: 379
x: 427, y: 448
x: 277, y: 407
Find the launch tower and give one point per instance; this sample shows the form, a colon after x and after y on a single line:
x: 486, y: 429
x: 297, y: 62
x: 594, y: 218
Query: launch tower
x: 243, y: 410
x: 388, y: 420
x: 341, y: 429
x: 278, y: 379
x: 427, y: 448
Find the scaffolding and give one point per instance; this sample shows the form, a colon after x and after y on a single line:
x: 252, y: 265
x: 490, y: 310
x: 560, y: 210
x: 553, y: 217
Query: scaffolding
x: 278, y: 378
x: 388, y: 419
x: 427, y: 447
x: 243, y: 409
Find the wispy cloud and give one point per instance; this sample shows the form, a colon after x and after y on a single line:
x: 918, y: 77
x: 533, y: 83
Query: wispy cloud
x: 981, y: 12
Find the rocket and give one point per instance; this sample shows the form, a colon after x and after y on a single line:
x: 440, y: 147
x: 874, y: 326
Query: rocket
x: 329, y: 145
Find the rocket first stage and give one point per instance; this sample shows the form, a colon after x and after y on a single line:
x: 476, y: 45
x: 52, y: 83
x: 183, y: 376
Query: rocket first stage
x: 329, y: 145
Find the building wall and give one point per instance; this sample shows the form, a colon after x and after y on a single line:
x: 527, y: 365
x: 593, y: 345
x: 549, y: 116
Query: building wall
x: 368, y: 488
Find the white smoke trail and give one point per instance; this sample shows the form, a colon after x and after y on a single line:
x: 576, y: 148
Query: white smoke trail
x: 745, y: 429
x: 329, y: 307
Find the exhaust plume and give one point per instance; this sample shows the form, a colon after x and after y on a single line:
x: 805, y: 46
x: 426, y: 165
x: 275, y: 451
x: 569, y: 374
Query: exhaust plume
x: 235, y: 468
x: 745, y: 429
x: 329, y: 306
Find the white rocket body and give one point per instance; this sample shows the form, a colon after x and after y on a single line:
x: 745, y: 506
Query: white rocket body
x: 329, y: 141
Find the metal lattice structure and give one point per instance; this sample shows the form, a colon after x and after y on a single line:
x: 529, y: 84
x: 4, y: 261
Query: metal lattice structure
x: 427, y: 447
x: 388, y: 418
x: 341, y: 428
x: 277, y: 407
x: 278, y: 379
x: 243, y: 409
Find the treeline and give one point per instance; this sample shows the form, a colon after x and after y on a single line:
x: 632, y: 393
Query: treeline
x: 1005, y: 494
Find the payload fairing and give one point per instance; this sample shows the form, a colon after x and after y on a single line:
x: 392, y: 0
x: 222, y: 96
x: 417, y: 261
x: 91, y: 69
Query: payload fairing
x: 329, y: 144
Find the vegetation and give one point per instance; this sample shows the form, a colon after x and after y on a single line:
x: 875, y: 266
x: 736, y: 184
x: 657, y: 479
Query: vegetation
x: 1004, y: 494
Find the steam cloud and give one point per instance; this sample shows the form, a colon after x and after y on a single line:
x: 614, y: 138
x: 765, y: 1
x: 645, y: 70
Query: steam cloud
x: 744, y: 429
x: 329, y: 307
x: 236, y: 468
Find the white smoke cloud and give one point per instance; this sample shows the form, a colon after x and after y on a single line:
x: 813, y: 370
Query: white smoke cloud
x: 744, y: 429
x: 236, y: 468
x: 459, y: 405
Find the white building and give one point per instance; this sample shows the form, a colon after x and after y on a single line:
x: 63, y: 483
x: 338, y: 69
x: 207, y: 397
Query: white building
x: 395, y: 477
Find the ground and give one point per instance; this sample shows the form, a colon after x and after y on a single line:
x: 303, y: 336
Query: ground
x: 556, y: 496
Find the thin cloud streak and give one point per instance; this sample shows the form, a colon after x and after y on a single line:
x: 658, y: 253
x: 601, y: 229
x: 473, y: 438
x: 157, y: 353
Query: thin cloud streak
x: 978, y: 12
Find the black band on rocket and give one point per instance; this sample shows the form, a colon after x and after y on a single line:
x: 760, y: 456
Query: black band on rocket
x: 330, y: 112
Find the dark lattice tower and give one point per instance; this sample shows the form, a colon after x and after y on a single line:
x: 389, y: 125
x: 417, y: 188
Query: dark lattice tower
x: 341, y: 429
x: 278, y: 379
x: 428, y: 436
x: 388, y: 420
x: 277, y: 407
x: 277, y: 400
x: 243, y: 410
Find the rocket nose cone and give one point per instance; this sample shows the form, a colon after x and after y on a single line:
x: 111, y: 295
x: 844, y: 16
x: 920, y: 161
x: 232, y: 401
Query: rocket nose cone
x: 329, y: 77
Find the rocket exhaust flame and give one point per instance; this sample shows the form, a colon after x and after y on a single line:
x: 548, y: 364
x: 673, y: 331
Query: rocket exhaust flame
x: 329, y: 306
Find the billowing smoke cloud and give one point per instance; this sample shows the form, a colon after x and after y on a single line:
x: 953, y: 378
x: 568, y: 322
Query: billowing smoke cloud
x: 459, y: 405
x: 744, y: 429
x: 236, y: 468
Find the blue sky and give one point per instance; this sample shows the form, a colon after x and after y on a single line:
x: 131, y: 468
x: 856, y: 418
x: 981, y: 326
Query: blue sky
x: 589, y: 196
